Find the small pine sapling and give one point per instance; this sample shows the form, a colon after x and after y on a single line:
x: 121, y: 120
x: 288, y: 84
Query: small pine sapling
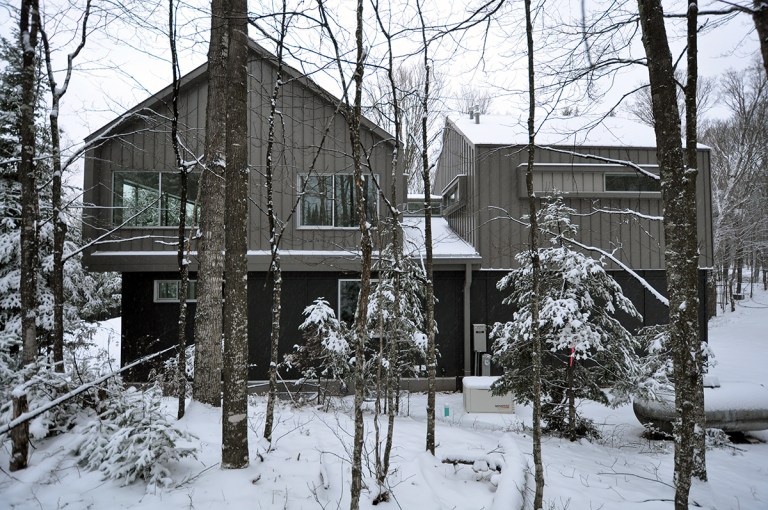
x: 325, y: 353
x: 132, y: 438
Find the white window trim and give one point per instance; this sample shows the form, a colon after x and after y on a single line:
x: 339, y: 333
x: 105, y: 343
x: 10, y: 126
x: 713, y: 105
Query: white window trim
x: 159, y: 201
x: 156, y: 288
x: 300, y: 226
x: 338, y: 292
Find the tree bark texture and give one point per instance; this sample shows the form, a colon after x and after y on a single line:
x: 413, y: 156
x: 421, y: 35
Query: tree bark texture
x: 210, y: 247
x: 28, y: 31
x: 760, y: 17
x: 678, y: 188
x: 429, y: 292
x: 361, y: 322
x: 535, y: 336
x: 691, y: 142
x: 274, y: 242
x: 234, y: 446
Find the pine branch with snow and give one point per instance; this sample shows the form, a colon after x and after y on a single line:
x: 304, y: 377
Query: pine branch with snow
x: 132, y: 438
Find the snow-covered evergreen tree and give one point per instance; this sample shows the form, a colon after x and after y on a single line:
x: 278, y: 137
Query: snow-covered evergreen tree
x: 586, y: 349
x: 87, y: 296
x: 132, y: 438
x: 325, y: 353
x: 400, y: 322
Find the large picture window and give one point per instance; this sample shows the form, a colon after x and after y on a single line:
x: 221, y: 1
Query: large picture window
x: 329, y: 201
x: 631, y: 182
x: 157, y: 194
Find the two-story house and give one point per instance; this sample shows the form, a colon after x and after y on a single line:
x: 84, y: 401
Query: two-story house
x: 481, y: 177
x: 131, y: 181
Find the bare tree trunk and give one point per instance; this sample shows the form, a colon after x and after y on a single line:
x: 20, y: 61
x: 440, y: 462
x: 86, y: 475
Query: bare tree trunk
x: 59, y: 225
x: 28, y: 31
x: 429, y: 294
x: 183, y: 263
x: 571, y: 403
x: 210, y: 248
x: 691, y: 142
x: 536, y: 361
x: 234, y: 448
x: 366, y: 249
x: 274, y: 240
x: 678, y: 187
x: 760, y: 17
x: 391, y: 386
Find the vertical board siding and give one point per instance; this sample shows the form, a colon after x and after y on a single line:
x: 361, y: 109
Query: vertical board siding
x: 497, y: 189
x: 304, y: 116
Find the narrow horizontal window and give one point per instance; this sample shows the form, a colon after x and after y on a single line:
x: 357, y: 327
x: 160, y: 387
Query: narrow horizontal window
x: 167, y: 291
x: 631, y: 182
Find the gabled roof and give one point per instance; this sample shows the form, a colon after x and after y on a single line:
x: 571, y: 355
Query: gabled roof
x: 573, y: 131
x: 201, y: 72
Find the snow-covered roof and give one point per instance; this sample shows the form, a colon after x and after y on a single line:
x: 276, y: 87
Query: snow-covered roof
x: 574, y: 131
x: 420, y: 196
x: 446, y: 244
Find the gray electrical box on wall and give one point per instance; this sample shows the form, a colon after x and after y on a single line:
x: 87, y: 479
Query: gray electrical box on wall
x: 480, y: 338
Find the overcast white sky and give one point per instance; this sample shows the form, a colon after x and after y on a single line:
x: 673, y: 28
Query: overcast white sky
x: 125, y: 60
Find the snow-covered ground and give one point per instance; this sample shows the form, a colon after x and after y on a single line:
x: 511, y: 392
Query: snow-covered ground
x: 309, y: 469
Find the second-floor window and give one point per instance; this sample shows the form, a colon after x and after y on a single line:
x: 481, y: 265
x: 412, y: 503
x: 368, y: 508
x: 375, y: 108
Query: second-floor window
x: 631, y: 182
x: 329, y: 201
x: 151, y: 199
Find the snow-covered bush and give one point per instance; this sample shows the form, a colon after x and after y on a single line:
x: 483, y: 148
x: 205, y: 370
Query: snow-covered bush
x: 41, y: 384
x: 395, y: 314
x: 132, y: 438
x: 325, y: 353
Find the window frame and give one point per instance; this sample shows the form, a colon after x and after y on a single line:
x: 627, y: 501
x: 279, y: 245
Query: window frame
x: 339, y: 282
x: 640, y: 178
x: 158, y: 209
x: 371, y: 191
x: 191, y: 295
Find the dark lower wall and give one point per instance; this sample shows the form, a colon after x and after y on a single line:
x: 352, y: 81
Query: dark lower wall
x: 149, y: 327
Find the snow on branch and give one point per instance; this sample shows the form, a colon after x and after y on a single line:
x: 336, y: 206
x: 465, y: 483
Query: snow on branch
x: 625, y: 267
x: 107, y: 234
x: 77, y: 391
x: 621, y: 162
x: 630, y: 212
